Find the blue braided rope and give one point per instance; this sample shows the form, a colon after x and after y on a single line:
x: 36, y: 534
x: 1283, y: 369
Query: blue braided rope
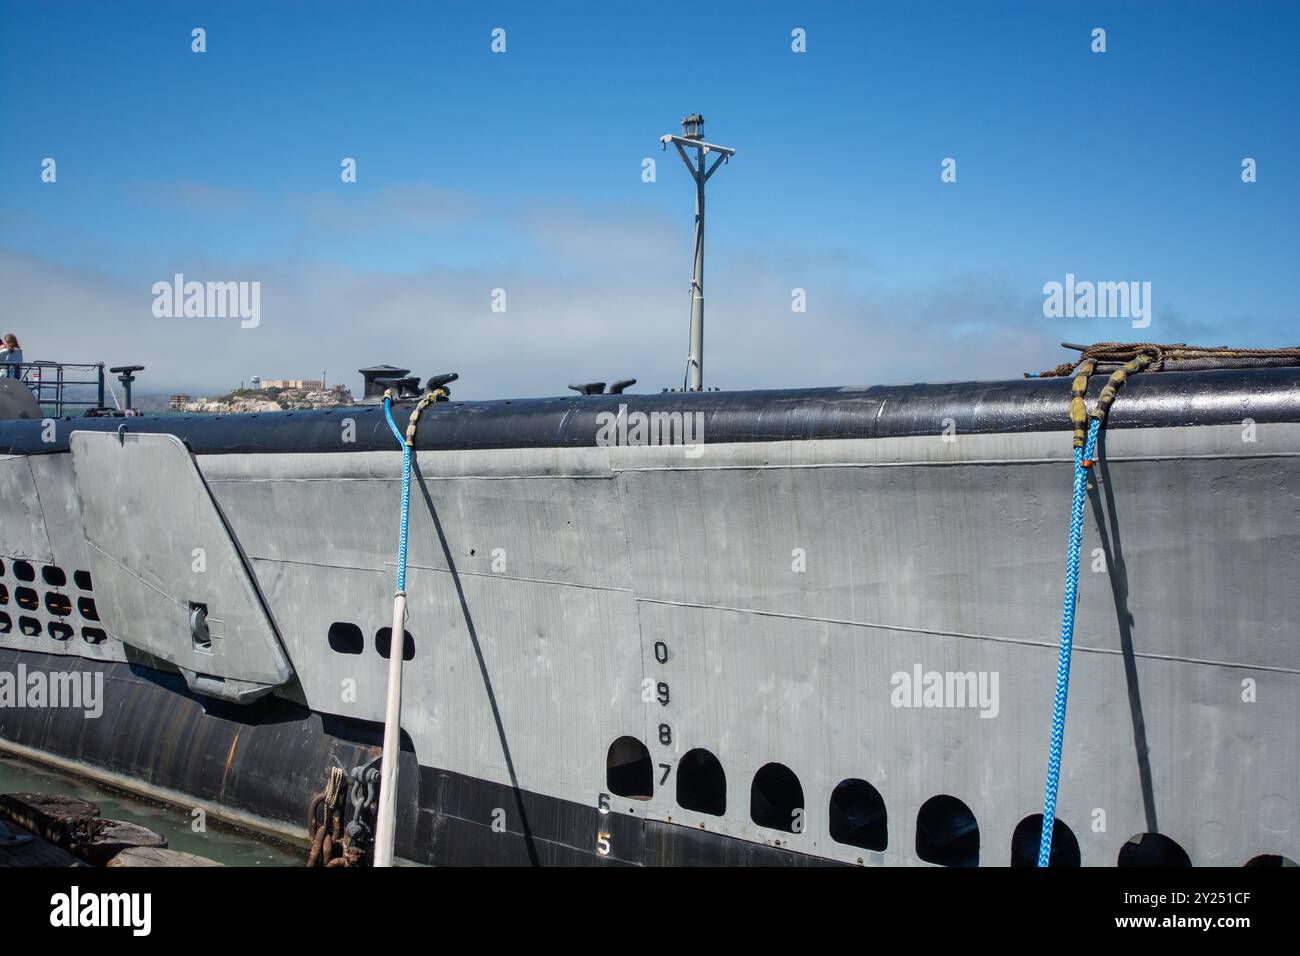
x: 406, y: 497
x: 397, y: 433
x: 1067, y: 641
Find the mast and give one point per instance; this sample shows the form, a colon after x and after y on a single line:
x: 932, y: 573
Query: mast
x: 693, y: 138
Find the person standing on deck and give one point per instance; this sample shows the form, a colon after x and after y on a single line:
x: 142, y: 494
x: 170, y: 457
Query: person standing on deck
x: 11, y: 355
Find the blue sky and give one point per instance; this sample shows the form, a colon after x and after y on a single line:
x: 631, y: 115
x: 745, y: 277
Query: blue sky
x: 522, y: 171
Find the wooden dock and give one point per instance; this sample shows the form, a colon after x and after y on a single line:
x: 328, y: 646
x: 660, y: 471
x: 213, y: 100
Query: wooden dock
x: 35, y: 852
x: 66, y: 831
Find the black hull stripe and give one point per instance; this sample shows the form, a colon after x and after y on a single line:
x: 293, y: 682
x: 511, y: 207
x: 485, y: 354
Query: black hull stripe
x: 266, y: 759
x: 1162, y: 399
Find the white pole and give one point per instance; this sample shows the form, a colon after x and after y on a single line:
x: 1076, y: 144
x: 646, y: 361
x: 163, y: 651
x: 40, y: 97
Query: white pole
x: 697, y: 285
x: 386, y: 824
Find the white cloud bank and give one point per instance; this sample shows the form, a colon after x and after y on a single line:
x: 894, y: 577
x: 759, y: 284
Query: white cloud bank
x: 589, y: 297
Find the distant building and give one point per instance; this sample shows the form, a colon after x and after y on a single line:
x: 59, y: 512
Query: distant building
x: 177, y: 402
x: 305, y: 384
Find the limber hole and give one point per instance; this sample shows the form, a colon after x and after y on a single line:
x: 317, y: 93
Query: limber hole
x: 776, y: 799
x: 629, y: 771
x: 858, y: 816
x: 947, y: 833
x: 1152, y: 849
x: 701, y: 783
x: 346, y: 638
x: 1029, y: 833
x: 384, y: 641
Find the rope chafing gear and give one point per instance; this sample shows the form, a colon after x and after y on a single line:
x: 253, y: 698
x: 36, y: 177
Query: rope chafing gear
x: 1078, y: 408
x: 1118, y: 378
x: 1125, y: 359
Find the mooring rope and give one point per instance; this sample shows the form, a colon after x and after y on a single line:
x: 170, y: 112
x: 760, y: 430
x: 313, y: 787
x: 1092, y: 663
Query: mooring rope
x: 1083, y: 460
x: 406, y: 494
x: 1177, y: 356
x: 1131, y: 359
x: 385, y: 820
x: 407, y: 443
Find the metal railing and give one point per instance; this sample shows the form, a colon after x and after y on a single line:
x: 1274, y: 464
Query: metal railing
x: 51, y: 383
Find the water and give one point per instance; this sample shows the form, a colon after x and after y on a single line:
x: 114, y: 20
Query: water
x: 223, y: 844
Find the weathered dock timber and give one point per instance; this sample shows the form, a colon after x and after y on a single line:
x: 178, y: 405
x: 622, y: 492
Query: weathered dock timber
x: 34, y: 852
x: 67, y: 829
x: 152, y: 856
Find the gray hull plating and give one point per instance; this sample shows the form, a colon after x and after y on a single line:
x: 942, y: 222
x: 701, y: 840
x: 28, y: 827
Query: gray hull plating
x: 785, y: 594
